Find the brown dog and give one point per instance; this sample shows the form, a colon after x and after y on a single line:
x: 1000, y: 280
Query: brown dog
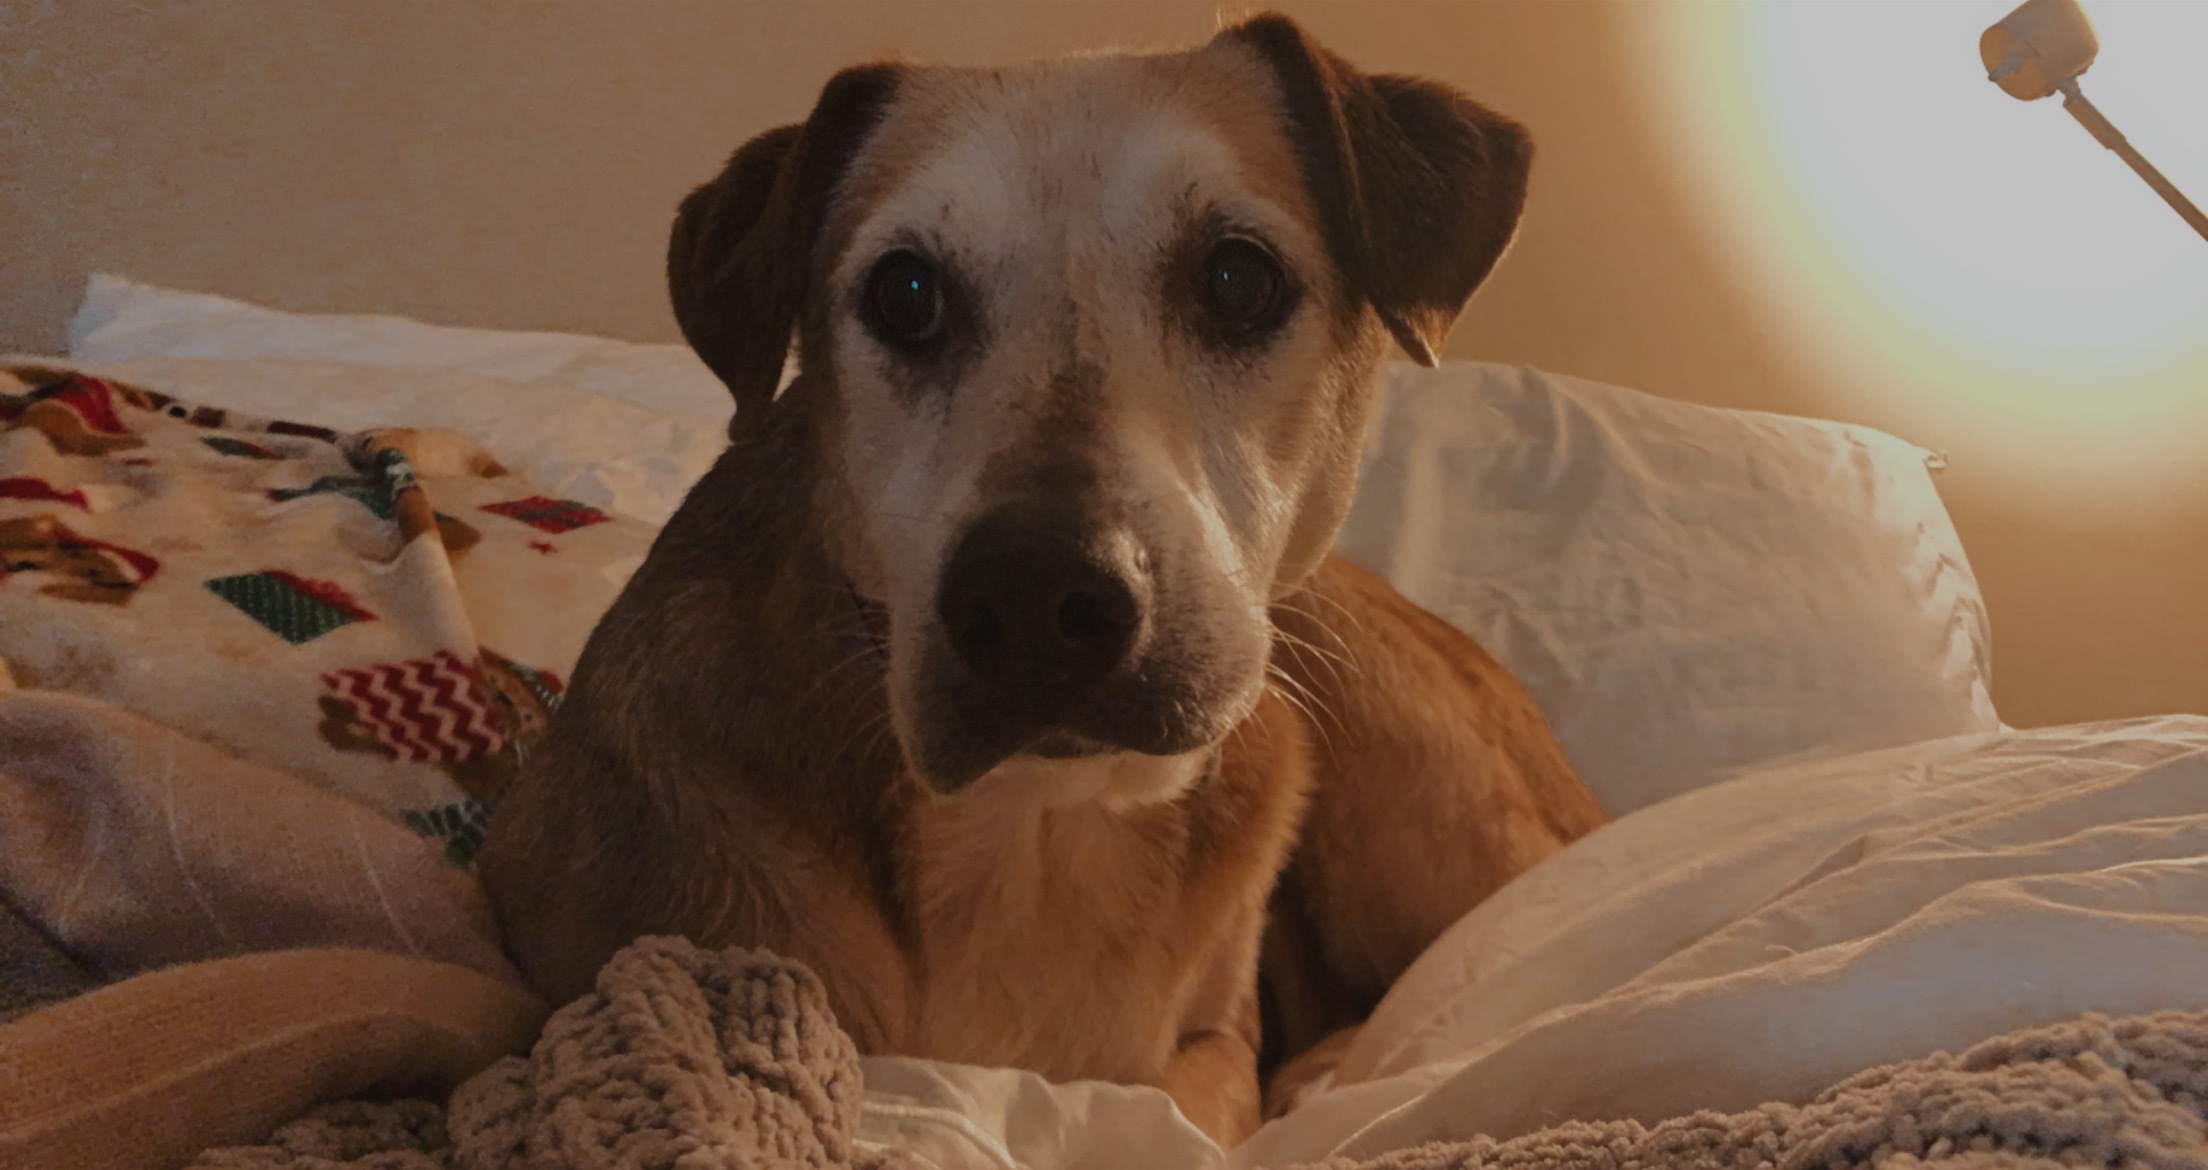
x: 997, y: 667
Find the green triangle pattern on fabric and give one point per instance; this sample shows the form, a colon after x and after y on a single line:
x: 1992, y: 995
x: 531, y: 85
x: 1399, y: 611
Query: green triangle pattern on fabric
x: 293, y: 608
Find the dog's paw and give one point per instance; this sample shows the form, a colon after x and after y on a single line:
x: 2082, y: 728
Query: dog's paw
x: 1309, y: 1071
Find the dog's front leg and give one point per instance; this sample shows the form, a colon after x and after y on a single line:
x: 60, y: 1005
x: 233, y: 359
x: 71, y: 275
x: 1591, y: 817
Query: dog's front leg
x: 1213, y: 1078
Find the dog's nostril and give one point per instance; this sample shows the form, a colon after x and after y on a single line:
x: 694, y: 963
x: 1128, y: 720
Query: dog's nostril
x: 976, y: 624
x: 1086, y: 618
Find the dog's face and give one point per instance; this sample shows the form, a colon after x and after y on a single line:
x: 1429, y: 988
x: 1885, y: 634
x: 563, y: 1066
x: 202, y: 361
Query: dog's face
x: 1098, y: 408
x: 1099, y: 335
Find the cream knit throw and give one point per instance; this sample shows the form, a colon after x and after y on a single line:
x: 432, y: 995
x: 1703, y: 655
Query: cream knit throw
x: 2129, y: 1093
x: 715, y: 1061
x: 681, y: 1057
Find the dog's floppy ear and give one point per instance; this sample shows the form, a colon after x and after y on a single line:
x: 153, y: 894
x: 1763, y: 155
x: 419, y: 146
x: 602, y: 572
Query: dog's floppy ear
x: 738, y: 258
x: 1419, y: 187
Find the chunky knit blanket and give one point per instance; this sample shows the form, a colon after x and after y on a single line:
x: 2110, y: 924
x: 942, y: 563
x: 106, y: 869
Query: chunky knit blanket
x: 680, y: 1057
x: 705, y: 1061
x: 2088, y: 1092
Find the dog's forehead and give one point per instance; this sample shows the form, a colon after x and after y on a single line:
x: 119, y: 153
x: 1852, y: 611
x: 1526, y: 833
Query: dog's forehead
x: 1103, y: 145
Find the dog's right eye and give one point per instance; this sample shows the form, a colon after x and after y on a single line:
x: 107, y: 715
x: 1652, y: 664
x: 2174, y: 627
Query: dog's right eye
x: 1243, y: 289
x: 904, y: 300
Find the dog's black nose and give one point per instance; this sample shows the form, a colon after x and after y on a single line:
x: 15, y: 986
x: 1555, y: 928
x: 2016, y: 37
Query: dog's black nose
x: 1041, y: 604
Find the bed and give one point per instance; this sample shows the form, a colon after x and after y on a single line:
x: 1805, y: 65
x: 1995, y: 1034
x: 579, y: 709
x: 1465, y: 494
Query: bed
x: 236, y: 879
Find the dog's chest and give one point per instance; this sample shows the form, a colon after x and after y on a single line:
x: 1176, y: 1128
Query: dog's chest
x: 1053, y: 940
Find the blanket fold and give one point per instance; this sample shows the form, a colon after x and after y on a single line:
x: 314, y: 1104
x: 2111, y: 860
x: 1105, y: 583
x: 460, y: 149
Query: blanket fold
x: 727, y: 1060
x: 144, y: 1073
x: 2087, y: 1092
x: 679, y: 1058
x: 134, y: 847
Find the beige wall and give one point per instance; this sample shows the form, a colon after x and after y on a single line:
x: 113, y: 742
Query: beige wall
x: 514, y: 163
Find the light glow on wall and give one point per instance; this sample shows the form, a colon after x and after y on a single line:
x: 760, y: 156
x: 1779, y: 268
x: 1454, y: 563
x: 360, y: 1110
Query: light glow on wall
x: 1970, y: 270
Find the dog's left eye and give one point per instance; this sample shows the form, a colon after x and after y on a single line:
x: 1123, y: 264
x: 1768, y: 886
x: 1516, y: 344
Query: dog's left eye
x: 904, y: 299
x: 1243, y: 287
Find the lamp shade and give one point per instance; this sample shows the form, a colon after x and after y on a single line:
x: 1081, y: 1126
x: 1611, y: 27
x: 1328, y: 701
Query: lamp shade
x: 2038, y: 47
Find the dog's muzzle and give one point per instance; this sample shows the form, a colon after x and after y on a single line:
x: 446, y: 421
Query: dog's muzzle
x: 1038, y: 612
x: 1048, y: 642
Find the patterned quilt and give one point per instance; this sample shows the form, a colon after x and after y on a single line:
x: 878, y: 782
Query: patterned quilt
x: 389, y: 616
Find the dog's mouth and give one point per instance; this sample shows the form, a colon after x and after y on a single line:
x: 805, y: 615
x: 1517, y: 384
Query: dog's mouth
x: 1065, y: 745
x: 960, y: 728
x: 961, y: 733
x: 871, y: 627
x: 1052, y: 635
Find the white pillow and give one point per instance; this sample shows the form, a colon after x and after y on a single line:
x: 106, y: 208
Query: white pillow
x: 121, y: 320
x: 1686, y: 591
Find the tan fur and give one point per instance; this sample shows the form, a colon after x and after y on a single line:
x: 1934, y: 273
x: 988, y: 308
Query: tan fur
x: 1425, y: 748
x: 735, y: 759
x: 1022, y: 908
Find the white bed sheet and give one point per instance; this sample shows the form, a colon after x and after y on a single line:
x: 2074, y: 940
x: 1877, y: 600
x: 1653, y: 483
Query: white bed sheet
x: 1751, y: 941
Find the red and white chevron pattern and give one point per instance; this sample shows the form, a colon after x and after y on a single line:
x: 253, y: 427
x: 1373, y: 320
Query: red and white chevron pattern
x: 424, y: 709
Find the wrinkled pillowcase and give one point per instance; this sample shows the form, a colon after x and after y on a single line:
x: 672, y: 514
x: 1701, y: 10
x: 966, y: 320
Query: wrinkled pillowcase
x: 122, y: 320
x: 1687, y: 591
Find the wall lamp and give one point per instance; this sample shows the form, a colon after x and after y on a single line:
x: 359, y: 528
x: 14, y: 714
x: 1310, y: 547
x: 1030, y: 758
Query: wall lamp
x: 2041, y: 49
